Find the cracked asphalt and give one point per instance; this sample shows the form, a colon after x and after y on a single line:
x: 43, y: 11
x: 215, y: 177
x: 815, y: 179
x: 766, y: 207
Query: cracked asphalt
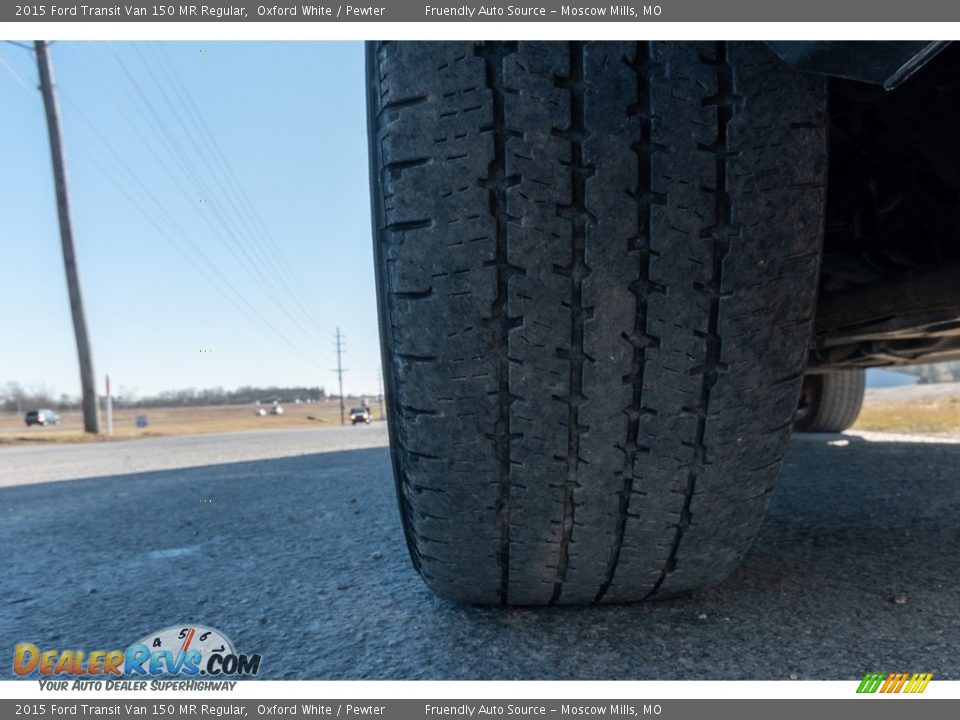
x: 291, y: 545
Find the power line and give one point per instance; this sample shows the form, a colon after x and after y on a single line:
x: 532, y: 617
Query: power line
x: 249, y: 310
x: 134, y: 180
x: 221, y: 283
x: 270, y: 253
x: 193, y: 174
x: 16, y: 76
x: 245, y: 202
x: 180, y: 157
x: 201, y: 186
x: 233, y: 230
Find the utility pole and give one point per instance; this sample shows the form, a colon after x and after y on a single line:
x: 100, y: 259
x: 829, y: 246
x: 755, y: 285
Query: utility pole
x: 91, y: 411
x: 340, y: 371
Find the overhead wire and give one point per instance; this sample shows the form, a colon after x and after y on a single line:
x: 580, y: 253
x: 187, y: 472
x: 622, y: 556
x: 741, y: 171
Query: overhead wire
x: 272, y: 247
x: 234, y: 245
x: 23, y: 46
x: 233, y: 226
x: 180, y: 157
x: 206, y: 268
x: 234, y: 223
x: 16, y: 76
x: 208, y: 140
x: 238, y: 296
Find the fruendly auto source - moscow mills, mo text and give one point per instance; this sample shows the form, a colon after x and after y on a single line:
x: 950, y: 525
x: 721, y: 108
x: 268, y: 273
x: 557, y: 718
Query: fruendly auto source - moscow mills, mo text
x: 483, y: 11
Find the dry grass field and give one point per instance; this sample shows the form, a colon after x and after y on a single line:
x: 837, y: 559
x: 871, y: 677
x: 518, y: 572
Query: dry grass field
x: 920, y: 409
x: 179, y: 421
x: 916, y: 409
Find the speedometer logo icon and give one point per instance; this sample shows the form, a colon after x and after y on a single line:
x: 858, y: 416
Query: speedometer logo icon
x: 188, y: 650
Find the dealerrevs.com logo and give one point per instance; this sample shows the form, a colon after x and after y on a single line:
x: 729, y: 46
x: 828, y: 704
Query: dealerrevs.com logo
x: 178, y: 651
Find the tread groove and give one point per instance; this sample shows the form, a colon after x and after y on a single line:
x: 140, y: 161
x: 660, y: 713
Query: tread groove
x: 638, y: 340
x: 720, y: 233
x: 497, y: 182
x: 578, y: 271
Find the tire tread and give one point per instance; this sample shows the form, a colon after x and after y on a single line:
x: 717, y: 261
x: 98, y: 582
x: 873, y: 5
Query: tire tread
x: 605, y: 333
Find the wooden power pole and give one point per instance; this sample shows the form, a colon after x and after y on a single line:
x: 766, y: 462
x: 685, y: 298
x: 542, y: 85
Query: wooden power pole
x: 91, y: 410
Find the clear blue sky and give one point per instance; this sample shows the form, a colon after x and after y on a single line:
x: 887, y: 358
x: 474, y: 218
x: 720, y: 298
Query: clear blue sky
x: 289, y: 120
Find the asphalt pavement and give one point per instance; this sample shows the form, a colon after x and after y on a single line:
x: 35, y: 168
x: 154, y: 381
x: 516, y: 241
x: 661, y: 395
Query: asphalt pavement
x: 44, y: 461
x: 292, y: 547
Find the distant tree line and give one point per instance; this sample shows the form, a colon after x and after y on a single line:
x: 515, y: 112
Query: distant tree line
x: 246, y: 395
x: 14, y: 397
x: 935, y: 372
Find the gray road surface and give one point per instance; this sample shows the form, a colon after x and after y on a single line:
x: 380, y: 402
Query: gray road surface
x: 22, y: 464
x: 301, y: 560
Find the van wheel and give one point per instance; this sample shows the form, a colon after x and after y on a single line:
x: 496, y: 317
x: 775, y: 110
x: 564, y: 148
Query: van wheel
x: 830, y: 402
x: 596, y: 270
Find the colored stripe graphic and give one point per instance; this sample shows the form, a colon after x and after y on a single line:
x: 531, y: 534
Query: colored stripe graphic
x: 918, y: 683
x: 894, y: 683
x: 870, y: 683
x: 898, y: 680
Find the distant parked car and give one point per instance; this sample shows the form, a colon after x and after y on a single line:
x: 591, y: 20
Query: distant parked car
x: 360, y: 415
x: 260, y: 412
x: 277, y: 409
x: 42, y: 417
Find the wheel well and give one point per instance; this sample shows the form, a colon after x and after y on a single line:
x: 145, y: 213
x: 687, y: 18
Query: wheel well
x: 891, y: 258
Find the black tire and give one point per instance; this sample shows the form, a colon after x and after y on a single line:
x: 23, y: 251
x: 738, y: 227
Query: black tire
x: 596, y: 272
x: 831, y: 402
